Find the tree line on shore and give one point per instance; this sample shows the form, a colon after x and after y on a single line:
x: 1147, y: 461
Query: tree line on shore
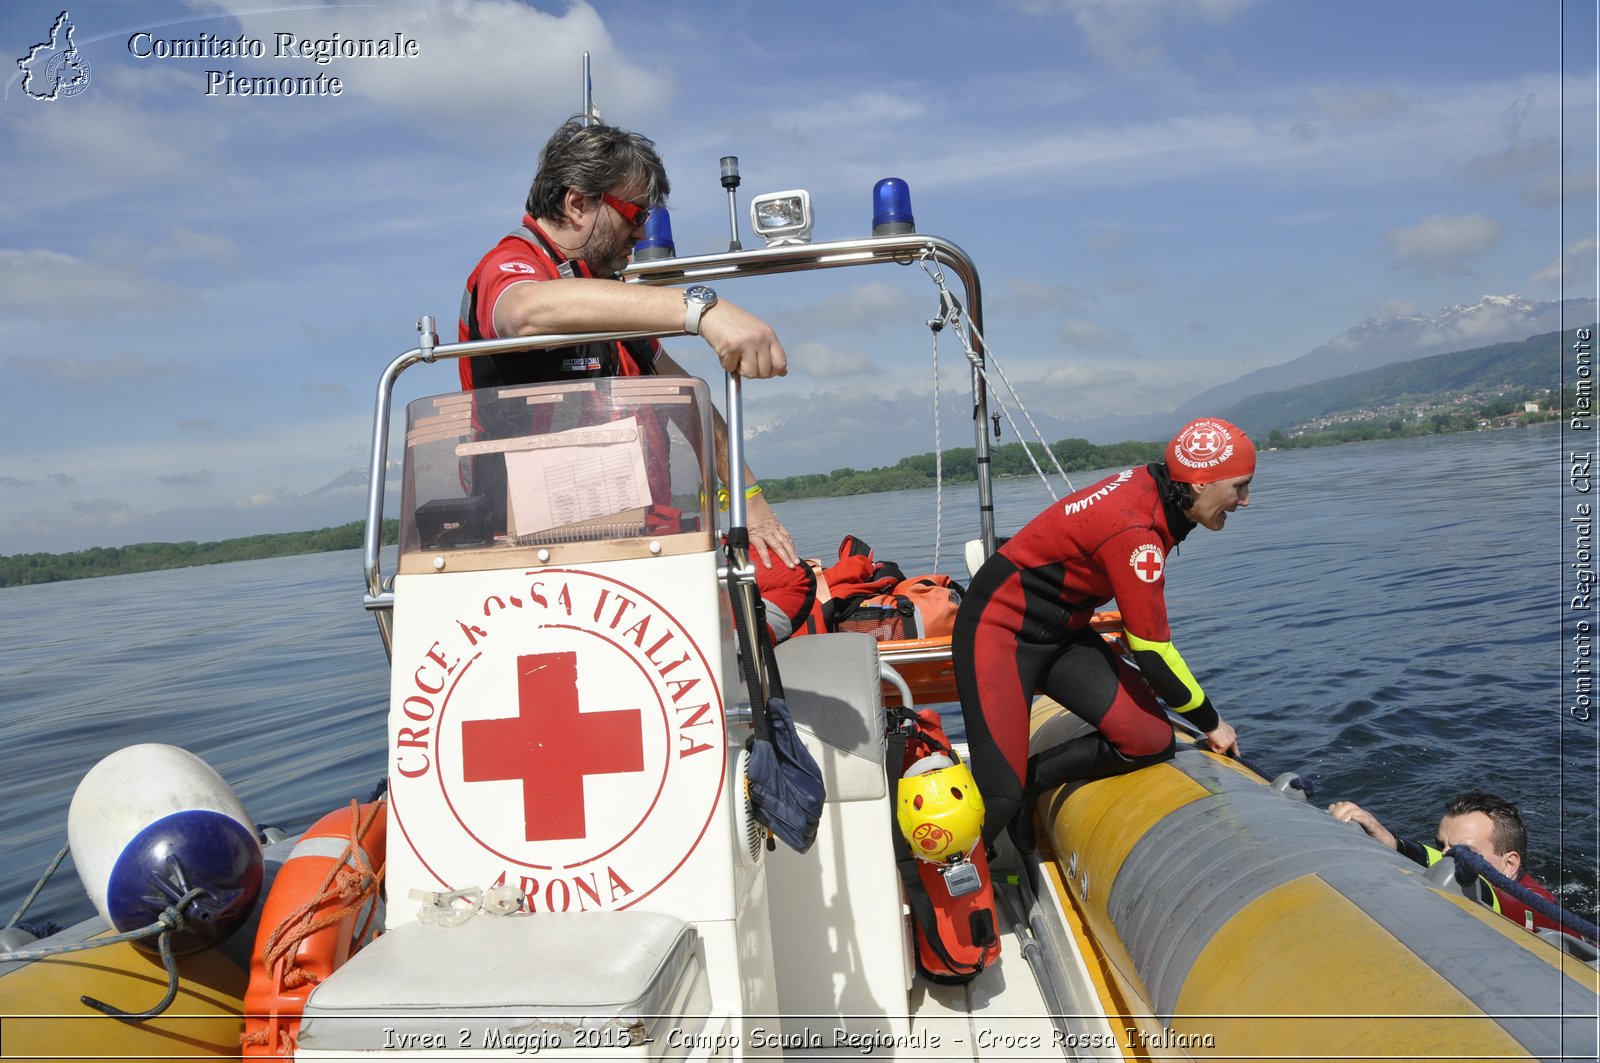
x: 21, y: 569
x: 917, y: 471
x: 960, y: 466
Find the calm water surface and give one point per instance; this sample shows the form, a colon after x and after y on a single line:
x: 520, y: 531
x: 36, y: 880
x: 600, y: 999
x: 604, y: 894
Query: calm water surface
x: 1384, y: 619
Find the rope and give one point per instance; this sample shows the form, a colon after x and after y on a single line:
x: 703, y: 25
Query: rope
x: 351, y: 885
x: 935, y: 326
x: 51, y: 870
x: 1470, y: 865
x: 972, y: 356
x: 170, y: 920
x: 161, y: 924
x: 954, y: 316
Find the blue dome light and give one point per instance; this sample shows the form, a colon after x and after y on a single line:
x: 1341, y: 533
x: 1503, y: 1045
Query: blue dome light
x: 657, y: 242
x: 891, y: 208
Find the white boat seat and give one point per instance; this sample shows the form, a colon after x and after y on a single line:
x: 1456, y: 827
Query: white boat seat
x: 831, y: 682
x: 618, y: 980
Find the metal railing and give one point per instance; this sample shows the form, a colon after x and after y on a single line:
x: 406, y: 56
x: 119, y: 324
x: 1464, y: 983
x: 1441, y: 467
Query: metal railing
x: 791, y: 258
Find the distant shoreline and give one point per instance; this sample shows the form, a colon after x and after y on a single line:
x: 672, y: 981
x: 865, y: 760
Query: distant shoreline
x: 22, y: 570
x: 912, y: 473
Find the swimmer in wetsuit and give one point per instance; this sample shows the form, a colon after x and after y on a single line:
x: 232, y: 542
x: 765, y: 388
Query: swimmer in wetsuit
x: 1024, y: 625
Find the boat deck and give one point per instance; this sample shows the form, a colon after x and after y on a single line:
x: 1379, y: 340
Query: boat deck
x: 1005, y: 1013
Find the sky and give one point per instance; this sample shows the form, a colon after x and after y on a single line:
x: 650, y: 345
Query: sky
x: 198, y: 290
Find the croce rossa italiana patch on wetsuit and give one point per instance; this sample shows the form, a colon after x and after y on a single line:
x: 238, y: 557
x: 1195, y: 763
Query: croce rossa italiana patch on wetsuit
x: 1147, y: 562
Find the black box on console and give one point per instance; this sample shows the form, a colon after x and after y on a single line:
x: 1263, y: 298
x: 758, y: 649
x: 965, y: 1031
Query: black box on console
x: 454, y: 522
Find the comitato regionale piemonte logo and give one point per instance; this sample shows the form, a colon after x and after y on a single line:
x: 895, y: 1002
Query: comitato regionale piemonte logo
x: 54, y: 68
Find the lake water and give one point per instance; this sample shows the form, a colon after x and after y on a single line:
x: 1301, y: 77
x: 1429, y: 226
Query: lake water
x: 1384, y: 619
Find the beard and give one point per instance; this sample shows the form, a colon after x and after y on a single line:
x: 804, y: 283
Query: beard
x: 607, y: 250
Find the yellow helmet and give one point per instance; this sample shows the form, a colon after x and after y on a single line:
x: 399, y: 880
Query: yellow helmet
x: 940, y: 809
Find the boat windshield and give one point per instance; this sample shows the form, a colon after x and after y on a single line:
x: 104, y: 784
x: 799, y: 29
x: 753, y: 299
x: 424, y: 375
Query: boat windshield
x: 570, y: 471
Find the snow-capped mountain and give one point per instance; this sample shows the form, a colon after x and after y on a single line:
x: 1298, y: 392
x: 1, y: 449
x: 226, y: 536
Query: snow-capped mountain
x: 1380, y: 341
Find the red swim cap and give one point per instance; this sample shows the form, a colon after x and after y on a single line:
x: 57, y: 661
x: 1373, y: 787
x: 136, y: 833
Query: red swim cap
x: 1208, y: 449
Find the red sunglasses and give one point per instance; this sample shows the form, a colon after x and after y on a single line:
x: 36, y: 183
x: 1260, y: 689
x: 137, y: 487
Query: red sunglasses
x: 632, y: 213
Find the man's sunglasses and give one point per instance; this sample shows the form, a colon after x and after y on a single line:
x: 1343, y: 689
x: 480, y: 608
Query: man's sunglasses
x: 632, y: 213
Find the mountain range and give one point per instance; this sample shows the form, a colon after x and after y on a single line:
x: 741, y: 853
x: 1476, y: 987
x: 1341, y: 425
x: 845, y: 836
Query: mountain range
x: 1381, y: 341
x: 1437, y: 380
x: 868, y: 428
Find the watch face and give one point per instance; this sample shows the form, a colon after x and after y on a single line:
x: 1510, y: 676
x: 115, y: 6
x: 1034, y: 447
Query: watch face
x: 700, y: 294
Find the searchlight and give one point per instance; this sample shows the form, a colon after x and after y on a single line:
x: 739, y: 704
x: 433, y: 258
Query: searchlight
x: 782, y: 217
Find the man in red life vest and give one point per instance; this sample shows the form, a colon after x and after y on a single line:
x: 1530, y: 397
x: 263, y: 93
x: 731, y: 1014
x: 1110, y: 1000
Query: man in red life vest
x: 1491, y: 826
x: 1023, y: 626
x: 557, y: 273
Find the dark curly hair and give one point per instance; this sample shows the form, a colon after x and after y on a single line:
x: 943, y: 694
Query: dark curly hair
x: 592, y: 159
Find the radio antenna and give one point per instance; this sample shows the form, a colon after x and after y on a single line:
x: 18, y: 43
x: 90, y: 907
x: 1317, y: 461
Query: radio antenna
x: 590, y: 115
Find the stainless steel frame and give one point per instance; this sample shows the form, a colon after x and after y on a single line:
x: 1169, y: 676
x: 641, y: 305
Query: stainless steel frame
x: 794, y: 258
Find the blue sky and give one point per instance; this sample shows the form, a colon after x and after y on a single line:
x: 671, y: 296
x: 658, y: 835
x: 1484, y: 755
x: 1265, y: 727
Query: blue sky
x: 198, y: 292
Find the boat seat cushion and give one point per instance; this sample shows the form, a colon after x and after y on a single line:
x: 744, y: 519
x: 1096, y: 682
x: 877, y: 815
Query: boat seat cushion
x: 573, y: 979
x: 833, y: 688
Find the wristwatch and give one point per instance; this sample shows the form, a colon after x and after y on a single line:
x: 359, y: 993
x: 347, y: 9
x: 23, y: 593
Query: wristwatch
x: 696, y: 301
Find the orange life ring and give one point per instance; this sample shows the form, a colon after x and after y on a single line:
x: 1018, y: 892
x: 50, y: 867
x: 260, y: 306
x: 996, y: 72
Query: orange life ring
x: 322, y: 907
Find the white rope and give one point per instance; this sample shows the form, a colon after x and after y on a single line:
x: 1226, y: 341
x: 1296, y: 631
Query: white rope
x: 952, y: 314
x: 935, y: 326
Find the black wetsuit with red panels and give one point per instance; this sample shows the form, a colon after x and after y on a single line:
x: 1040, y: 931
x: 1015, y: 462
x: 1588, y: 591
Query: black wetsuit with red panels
x: 1024, y: 627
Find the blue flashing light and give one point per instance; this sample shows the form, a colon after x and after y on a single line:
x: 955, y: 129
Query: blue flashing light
x: 657, y: 242
x: 891, y: 208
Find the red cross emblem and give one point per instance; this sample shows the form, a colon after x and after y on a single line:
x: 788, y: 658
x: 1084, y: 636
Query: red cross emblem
x: 1147, y: 563
x: 1204, y: 442
x: 550, y: 746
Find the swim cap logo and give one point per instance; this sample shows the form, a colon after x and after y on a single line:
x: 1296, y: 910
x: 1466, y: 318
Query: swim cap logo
x: 1203, y: 445
x: 1147, y: 562
x: 55, y: 68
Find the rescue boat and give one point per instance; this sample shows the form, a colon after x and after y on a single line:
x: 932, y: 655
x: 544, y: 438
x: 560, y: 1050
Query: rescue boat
x: 569, y: 861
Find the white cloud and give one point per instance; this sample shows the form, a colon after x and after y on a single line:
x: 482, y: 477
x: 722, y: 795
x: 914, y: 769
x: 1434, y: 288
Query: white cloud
x: 1395, y: 307
x: 1032, y: 297
x: 1519, y: 156
x: 1443, y: 241
x: 114, y: 510
x: 1105, y: 240
x: 48, y: 285
x: 1127, y: 34
x: 1086, y: 335
x: 1087, y: 375
x: 1572, y: 274
x: 186, y: 245
x: 93, y: 372
x: 118, y: 132
x: 188, y: 479
x: 827, y: 361
x: 867, y: 307
x: 482, y: 65
x: 326, y: 388
x: 1355, y: 105
x: 1578, y: 187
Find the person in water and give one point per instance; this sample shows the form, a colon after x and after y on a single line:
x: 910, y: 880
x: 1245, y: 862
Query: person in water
x: 557, y: 273
x: 1024, y: 625
x: 1491, y: 826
